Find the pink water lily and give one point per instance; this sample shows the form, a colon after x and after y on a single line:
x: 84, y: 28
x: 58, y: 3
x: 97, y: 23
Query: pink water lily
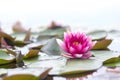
x: 76, y: 45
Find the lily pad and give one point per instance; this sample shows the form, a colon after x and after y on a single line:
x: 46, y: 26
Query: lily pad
x: 74, y: 66
x: 19, y: 43
x: 59, y: 32
x: 104, y: 55
x: 56, y: 63
x: 101, y: 45
x: 52, y: 47
x: 27, y: 74
x: 31, y: 53
x: 5, y: 58
x: 112, y: 62
x: 19, y: 35
x: 98, y: 35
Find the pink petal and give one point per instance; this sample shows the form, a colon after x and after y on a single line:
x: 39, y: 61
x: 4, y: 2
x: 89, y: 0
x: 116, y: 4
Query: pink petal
x: 67, y: 55
x: 72, y: 50
x: 78, y: 55
x: 86, y: 55
x: 61, y: 44
x: 84, y: 49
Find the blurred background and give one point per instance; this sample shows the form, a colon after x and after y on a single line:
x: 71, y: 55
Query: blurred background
x: 80, y: 14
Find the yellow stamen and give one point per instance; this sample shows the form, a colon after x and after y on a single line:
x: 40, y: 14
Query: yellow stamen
x: 76, y: 43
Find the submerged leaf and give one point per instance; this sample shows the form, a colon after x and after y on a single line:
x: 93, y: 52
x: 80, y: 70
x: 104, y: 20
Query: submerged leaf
x: 103, y: 44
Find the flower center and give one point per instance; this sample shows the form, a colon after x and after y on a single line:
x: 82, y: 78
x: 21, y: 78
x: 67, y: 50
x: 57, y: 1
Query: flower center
x: 76, y: 43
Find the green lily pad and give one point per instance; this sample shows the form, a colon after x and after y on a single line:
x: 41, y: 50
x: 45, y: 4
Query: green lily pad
x: 44, y: 38
x: 104, y: 55
x: 75, y: 66
x: 54, y: 62
x: 27, y: 74
x: 19, y: 35
x: 5, y: 58
x: 101, y: 45
x: 59, y: 32
x: 21, y: 77
x: 19, y: 43
x: 52, y: 47
x: 112, y: 62
x: 98, y: 35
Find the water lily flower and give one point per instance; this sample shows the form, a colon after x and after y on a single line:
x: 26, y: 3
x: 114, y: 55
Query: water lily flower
x: 76, y: 45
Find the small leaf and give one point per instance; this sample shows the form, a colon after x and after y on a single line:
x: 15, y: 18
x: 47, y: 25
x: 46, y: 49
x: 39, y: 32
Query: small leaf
x: 103, y: 44
x: 75, y: 66
x: 112, y: 62
x: 5, y: 58
x: 52, y: 47
x: 98, y: 35
x: 11, y: 52
x: 19, y: 43
x: 31, y: 53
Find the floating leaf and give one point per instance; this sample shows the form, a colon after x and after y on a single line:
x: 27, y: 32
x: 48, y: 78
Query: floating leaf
x: 59, y: 32
x: 45, y: 38
x: 31, y: 53
x: 5, y: 58
x: 104, y: 55
x: 27, y: 74
x: 112, y: 62
x: 21, y: 77
x: 56, y: 63
x: 52, y: 47
x: 19, y: 43
x: 98, y: 35
x: 103, y: 44
x: 75, y: 66
x: 19, y: 35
